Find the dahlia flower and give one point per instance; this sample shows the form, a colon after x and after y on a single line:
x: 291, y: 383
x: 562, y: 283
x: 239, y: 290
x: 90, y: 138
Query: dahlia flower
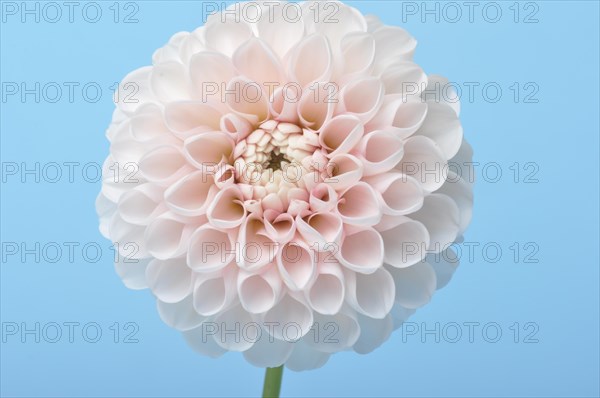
x: 281, y: 185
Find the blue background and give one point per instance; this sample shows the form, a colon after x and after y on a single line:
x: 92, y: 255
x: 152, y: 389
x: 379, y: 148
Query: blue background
x: 559, y: 213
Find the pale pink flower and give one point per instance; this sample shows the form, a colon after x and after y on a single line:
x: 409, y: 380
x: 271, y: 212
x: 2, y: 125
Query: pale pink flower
x: 287, y: 180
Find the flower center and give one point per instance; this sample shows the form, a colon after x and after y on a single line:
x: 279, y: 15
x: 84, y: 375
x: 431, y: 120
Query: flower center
x: 275, y: 161
x: 271, y: 156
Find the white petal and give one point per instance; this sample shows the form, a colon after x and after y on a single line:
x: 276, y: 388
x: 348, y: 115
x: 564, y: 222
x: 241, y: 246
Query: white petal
x: 134, y: 90
x: 163, y: 165
x: 129, y: 237
x: 405, y: 243
x: 333, y: 19
x: 214, y: 293
x: 185, y: 118
x: 443, y: 127
x: 405, y: 78
x: 191, y: 45
x: 132, y: 272
x: 462, y: 162
x: 255, y: 60
x: 200, y: 340
x: 316, y: 49
x: 373, y: 333
x: 279, y: 27
x: 371, y: 295
x: 227, y: 36
x: 400, y: 314
x: 358, y: 49
x: 362, y: 98
x: 440, y: 216
x: 170, y: 52
x: 415, y: 285
x: 461, y: 192
x: 289, y: 320
x: 180, y: 315
x: 373, y: 22
x: 268, y: 352
x: 247, y: 99
x: 440, y: 90
x: 425, y: 161
x: 105, y: 210
x: 234, y: 328
x: 333, y: 333
x: 305, y: 357
x: 258, y: 293
x: 169, y: 280
x: 170, y: 82
x: 400, y: 116
x: 148, y: 126
x: 327, y: 293
x: 168, y: 236
x: 209, y: 250
x: 207, y: 150
x: 400, y: 194
x: 139, y: 205
x: 210, y: 72
x: 392, y: 43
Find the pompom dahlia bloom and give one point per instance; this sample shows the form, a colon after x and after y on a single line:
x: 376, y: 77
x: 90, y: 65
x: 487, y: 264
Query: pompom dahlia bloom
x: 282, y: 186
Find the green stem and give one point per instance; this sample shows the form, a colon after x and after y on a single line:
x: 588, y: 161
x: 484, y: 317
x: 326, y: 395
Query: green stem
x: 272, y: 385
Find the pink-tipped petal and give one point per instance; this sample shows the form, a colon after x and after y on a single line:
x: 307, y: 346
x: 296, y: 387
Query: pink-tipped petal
x: 343, y: 171
x: 316, y: 48
x: 379, y: 151
x: 207, y: 150
x: 358, y: 205
x: 191, y: 195
x: 209, y: 250
x: 361, y: 251
x: 341, y: 134
x: 296, y: 264
x: 399, y: 194
x: 254, y: 248
x: 227, y: 209
x: 361, y: 98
